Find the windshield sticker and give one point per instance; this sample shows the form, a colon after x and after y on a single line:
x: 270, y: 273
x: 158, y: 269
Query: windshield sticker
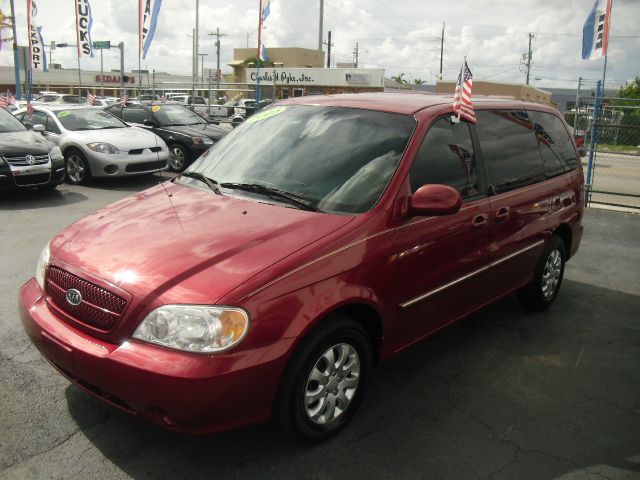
x: 64, y: 113
x: 155, y: 108
x: 268, y: 113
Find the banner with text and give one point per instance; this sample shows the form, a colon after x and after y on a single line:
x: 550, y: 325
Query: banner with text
x: 149, y: 11
x: 84, y: 23
x: 36, y: 44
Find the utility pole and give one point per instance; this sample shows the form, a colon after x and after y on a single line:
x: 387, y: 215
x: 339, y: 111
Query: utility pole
x: 355, y: 56
x: 575, y: 117
x: 320, y: 26
x: 531, y: 36
x: 196, y: 39
x: 121, y: 47
x: 441, y: 49
x: 16, y: 62
x: 218, y: 35
x: 328, y: 44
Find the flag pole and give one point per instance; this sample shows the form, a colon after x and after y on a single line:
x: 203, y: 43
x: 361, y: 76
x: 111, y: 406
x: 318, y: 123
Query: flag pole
x: 604, y: 71
x: 257, y: 106
x: 139, y: 45
x: 16, y: 59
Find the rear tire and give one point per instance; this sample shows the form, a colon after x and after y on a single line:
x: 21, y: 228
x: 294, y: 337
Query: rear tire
x: 325, y: 380
x: 542, y: 291
x: 177, y: 157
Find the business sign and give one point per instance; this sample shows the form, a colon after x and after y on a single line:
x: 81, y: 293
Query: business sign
x: 102, y: 45
x: 326, y: 77
x: 36, y: 43
x: 115, y: 79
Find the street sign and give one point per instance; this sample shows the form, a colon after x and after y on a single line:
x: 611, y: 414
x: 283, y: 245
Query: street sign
x: 102, y: 45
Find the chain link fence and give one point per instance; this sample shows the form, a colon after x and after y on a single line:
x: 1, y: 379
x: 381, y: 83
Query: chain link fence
x: 610, y: 138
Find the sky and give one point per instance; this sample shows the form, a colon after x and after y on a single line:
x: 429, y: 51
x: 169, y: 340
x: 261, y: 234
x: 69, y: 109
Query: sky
x: 401, y: 36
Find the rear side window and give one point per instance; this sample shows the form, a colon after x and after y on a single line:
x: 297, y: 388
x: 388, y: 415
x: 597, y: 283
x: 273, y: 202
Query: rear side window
x: 446, y: 156
x: 135, y: 115
x: 556, y: 145
x: 509, y: 149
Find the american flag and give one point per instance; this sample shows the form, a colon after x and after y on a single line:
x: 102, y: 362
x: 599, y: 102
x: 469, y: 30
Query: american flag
x: 163, y: 98
x: 462, y: 105
x: 11, y: 98
x: 4, y: 102
x: 29, y: 109
x: 91, y: 98
x: 123, y: 100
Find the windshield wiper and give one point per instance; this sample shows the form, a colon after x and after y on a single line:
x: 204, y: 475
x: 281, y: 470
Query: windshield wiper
x: 291, y: 198
x: 212, y: 184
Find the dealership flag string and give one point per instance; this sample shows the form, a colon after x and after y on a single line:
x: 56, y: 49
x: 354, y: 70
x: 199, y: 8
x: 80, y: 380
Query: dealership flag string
x: 462, y: 105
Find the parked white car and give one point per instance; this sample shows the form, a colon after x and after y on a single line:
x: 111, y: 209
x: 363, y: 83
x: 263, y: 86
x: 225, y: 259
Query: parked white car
x: 97, y: 144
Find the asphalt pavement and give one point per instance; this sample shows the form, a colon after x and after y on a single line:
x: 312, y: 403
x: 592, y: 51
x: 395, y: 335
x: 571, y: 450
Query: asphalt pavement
x: 504, y: 394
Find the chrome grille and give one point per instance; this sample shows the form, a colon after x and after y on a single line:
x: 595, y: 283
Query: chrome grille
x: 22, y: 161
x: 99, y: 308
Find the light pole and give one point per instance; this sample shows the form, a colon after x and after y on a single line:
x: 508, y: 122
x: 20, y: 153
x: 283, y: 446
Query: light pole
x: 202, y: 55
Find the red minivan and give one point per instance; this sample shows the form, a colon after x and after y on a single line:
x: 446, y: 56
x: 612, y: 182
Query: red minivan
x: 321, y: 237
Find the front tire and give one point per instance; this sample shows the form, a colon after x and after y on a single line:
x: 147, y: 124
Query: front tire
x: 542, y: 291
x: 77, y: 168
x: 325, y: 381
x: 177, y: 157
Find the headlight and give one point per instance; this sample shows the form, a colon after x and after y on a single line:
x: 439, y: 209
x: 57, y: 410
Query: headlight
x: 194, y: 328
x: 41, y: 269
x: 201, y: 141
x: 56, y: 153
x: 103, y: 148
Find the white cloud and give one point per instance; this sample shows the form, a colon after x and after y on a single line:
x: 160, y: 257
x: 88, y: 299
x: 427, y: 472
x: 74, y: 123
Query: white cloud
x: 401, y: 36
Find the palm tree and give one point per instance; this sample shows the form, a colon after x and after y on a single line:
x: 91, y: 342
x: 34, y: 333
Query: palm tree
x: 399, y: 79
x: 418, y: 81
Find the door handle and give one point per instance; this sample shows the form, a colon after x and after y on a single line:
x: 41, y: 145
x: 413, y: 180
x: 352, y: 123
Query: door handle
x: 479, y: 221
x: 502, y: 213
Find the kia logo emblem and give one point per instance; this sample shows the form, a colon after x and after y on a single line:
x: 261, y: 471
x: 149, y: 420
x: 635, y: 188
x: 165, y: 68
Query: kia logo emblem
x: 30, y: 161
x: 74, y: 297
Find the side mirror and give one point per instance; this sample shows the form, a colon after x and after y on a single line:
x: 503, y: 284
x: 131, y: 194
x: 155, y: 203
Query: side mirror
x: 38, y: 128
x: 435, y: 200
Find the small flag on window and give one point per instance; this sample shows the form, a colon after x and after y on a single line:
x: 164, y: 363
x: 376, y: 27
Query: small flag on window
x: 91, y: 98
x: 4, y: 102
x: 462, y: 105
x: 123, y: 101
x: 29, y: 109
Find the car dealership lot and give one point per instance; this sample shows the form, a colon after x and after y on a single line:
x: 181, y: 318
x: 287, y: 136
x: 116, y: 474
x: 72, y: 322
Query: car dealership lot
x: 504, y: 394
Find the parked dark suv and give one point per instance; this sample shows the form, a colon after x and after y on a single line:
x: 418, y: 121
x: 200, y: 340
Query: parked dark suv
x: 27, y: 159
x: 186, y: 133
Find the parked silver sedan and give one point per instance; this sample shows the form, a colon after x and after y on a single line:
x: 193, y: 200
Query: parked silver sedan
x: 98, y: 144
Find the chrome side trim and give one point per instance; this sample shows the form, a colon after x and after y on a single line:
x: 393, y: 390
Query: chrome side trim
x: 424, y: 296
x: 514, y: 254
x: 430, y: 293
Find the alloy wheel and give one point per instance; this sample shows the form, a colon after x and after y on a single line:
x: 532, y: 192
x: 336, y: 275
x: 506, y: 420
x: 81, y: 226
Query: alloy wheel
x: 76, y: 168
x: 551, y: 273
x: 177, y: 158
x: 332, y: 384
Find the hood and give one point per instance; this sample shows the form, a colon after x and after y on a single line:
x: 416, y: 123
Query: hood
x: 14, y: 144
x: 213, y: 132
x: 124, y: 139
x: 176, y: 244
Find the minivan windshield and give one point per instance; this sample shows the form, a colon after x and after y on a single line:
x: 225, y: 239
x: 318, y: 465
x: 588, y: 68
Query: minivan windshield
x: 333, y: 159
x: 9, y: 123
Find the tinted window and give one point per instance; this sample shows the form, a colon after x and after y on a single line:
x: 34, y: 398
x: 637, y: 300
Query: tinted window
x: 556, y: 145
x: 37, y: 118
x: 336, y: 159
x: 509, y: 148
x: 115, y: 110
x: 446, y: 156
x: 200, y: 101
x: 9, y: 123
x: 135, y: 115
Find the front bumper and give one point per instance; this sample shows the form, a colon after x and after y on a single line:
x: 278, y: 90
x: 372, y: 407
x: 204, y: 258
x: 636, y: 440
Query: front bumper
x: 28, y: 176
x: 125, y: 164
x: 180, y: 391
